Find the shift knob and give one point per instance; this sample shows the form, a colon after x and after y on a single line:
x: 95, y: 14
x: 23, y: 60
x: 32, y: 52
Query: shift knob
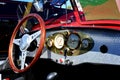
x: 52, y: 76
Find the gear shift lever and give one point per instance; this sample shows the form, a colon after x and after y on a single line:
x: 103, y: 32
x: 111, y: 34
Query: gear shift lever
x: 52, y: 76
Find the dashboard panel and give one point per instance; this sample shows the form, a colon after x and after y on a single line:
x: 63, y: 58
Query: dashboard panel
x: 82, y: 45
x: 69, y: 42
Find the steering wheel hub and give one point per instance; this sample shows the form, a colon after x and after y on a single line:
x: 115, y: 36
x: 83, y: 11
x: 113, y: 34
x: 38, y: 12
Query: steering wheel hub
x: 25, y: 42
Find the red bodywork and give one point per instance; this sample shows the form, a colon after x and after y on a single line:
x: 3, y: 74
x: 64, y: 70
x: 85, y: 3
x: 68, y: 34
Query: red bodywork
x: 80, y: 21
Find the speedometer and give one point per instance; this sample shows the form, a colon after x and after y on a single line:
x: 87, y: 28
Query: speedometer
x: 73, y: 41
x: 59, y: 41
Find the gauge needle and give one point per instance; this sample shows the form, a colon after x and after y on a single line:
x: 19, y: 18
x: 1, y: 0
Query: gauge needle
x: 60, y: 42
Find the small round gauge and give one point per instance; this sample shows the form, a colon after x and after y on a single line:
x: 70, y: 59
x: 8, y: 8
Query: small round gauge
x: 59, y: 41
x: 73, y: 41
x: 85, y: 43
x: 49, y: 42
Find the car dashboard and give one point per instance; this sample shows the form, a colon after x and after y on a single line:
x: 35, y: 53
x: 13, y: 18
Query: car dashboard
x: 74, y: 46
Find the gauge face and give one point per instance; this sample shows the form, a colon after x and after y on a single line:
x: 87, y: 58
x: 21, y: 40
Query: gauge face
x: 49, y: 42
x: 59, y: 41
x: 85, y: 43
x: 73, y: 41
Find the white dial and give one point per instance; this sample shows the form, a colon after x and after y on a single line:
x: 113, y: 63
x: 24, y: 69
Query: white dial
x: 59, y: 41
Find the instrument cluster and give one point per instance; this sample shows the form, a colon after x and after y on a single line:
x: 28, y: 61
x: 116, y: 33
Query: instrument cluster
x: 70, y: 43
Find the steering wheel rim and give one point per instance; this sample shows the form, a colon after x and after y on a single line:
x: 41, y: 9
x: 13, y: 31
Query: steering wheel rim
x: 39, y: 51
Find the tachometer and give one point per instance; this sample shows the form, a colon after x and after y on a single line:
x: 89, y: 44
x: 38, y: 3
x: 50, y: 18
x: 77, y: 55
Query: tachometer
x: 59, y: 41
x: 73, y: 41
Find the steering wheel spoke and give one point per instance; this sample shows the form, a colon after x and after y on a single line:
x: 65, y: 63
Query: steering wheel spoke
x: 35, y: 35
x: 17, y: 41
x: 22, y: 59
x: 25, y: 43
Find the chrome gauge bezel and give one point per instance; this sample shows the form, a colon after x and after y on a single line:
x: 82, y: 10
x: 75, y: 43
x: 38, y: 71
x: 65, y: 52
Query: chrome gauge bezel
x: 71, y: 44
x: 59, y: 41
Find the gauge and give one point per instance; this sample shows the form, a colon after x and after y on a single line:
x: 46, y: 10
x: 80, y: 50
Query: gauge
x: 59, y: 41
x: 73, y: 41
x: 85, y: 43
x: 49, y: 42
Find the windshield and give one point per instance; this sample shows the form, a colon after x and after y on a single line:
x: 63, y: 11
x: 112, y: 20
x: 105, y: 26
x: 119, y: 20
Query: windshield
x: 100, y: 9
x: 46, y: 9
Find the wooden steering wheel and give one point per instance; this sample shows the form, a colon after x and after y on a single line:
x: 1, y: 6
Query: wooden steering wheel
x: 21, y: 42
